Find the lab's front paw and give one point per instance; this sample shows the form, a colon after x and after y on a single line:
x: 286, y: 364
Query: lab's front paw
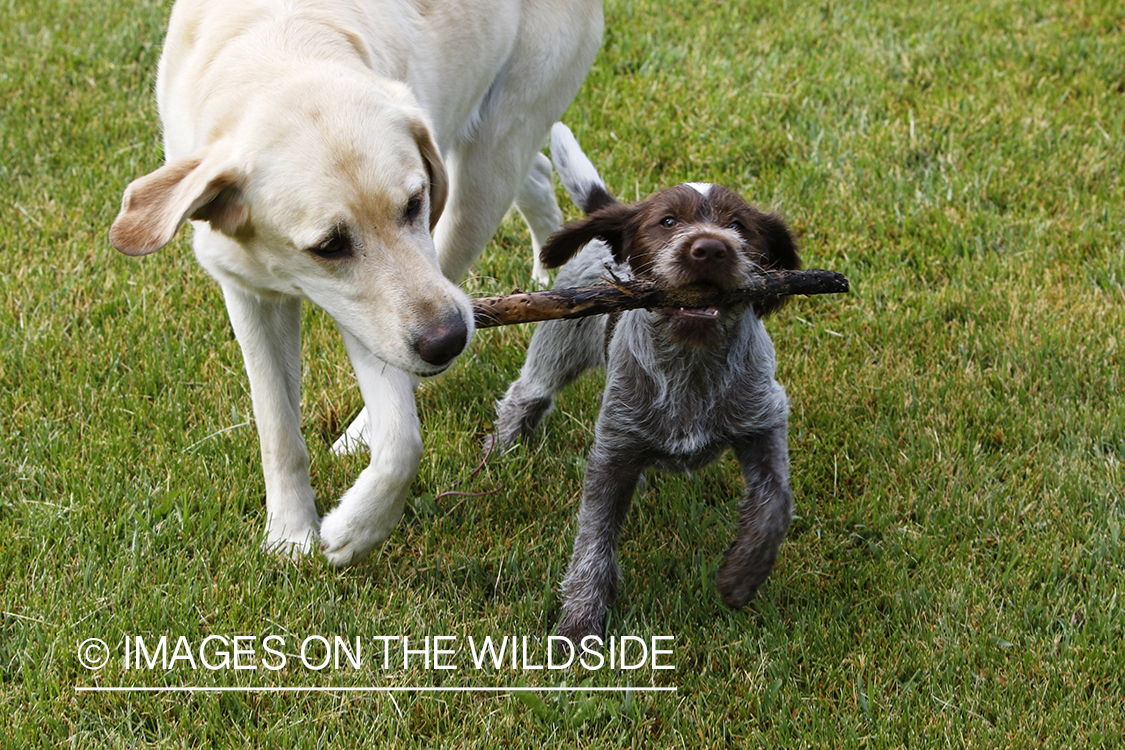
x: 291, y: 537
x: 346, y: 539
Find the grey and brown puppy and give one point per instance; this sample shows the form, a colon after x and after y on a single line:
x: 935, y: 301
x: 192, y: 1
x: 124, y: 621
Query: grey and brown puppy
x: 682, y: 385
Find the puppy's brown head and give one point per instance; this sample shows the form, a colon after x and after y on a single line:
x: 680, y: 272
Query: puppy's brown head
x: 690, y: 235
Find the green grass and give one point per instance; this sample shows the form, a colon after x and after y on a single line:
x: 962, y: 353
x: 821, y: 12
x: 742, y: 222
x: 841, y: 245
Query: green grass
x: 955, y: 574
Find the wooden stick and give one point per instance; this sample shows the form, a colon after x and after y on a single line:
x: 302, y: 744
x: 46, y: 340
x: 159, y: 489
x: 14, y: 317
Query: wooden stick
x: 615, y: 296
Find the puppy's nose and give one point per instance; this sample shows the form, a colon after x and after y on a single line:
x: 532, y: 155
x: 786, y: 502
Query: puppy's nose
x: 443, y: 341
x: 708, y: 250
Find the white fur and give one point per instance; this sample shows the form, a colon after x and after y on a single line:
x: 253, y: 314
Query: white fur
x: 286, y: 121
x: 703, y: 188
x: 576, y: 172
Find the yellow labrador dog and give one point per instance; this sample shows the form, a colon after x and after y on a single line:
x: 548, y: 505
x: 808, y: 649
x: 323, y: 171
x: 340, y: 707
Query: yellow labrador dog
x: 314, y: 145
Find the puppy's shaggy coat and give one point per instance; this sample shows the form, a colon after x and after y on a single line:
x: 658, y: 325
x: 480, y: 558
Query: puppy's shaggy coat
x: 681, y: 385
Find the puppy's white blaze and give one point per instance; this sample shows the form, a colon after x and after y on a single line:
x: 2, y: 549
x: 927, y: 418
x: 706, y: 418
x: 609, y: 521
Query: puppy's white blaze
x: 703, y: 188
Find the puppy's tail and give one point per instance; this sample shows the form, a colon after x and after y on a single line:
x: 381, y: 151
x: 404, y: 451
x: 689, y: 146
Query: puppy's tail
x: 578, y: 174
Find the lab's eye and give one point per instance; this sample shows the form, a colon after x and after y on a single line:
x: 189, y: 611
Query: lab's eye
x: 737, y: 226
x: 413, y: 209
x: 335, y: 246
x: 668, y: 221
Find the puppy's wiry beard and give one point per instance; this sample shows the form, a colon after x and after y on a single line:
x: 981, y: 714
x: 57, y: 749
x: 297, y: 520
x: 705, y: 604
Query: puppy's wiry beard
x: 700, y: 328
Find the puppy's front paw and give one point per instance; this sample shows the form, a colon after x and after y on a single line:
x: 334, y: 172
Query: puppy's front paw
x: 735, y: 593
x: 575, y: 628
x: 347, y: 541
x: 741, y: 576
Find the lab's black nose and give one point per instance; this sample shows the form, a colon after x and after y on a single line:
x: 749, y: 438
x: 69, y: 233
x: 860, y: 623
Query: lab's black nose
x: 443, y: 341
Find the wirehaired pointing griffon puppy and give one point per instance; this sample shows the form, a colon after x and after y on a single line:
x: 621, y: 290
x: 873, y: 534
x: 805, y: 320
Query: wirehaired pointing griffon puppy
x: 682, y: 385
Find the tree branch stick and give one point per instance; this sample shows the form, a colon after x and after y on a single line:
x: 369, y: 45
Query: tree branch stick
x: 615, y: 296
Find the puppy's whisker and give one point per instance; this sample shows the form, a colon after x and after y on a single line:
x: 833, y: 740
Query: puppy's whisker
x: 646, y: 267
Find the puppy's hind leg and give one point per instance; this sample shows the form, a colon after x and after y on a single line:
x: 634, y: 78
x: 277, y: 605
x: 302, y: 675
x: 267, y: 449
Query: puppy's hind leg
x: 560, y: 351
x: 765, y: 513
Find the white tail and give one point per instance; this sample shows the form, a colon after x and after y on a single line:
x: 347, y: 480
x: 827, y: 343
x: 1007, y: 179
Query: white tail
x: 577, y: 172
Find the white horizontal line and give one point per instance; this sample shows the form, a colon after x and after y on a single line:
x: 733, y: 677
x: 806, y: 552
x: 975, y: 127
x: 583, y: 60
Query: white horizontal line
x: 268, y: 689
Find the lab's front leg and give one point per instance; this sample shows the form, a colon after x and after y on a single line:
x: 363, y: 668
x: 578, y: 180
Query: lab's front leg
x: 370, y: 510
x: 268, y: 329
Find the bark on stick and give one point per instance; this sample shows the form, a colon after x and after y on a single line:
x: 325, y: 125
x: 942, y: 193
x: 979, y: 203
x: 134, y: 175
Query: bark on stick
x: 616, y: 296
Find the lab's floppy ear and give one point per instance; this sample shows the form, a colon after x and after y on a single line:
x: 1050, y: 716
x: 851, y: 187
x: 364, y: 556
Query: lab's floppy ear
x: 435, y: 168
x: 780, y: 250
x: 155, y: 206
x: 612, y: 223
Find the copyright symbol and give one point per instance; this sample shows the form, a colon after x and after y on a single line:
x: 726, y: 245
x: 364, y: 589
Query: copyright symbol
x: 93, y: 654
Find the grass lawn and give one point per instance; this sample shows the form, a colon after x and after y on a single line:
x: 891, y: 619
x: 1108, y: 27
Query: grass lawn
x: 956, y: 573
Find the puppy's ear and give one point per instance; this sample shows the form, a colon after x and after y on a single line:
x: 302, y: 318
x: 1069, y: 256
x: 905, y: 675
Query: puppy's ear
x: 612, y: 223
x: 154, y: 207
x: 780, y: 247
x: 780, y: 254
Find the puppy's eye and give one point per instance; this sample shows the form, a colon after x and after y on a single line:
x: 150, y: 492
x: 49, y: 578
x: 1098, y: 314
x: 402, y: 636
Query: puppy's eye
x: 335, y: 246
x: 668, y: 221
x: 413, y: 209
x: 736, y: 225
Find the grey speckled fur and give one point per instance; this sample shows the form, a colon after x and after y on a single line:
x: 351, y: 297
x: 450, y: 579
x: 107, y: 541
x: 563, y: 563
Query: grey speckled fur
x: 666, y: 404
